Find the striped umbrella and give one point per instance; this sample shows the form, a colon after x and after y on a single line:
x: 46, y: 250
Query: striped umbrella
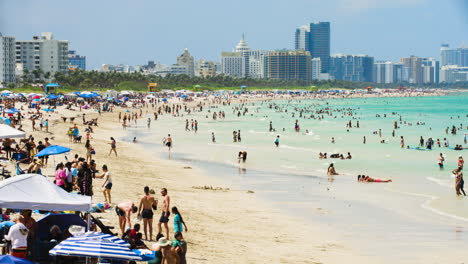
x: 95, y: 245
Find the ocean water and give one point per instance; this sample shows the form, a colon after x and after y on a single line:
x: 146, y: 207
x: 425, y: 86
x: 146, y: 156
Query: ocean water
x: 417, y: 212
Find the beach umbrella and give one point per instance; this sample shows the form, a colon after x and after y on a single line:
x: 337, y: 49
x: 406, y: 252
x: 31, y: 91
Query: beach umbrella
x: 52, y: 96
x: 36, y: 97
x: 7, y: 259
x: 76, y: 92
x: 11, y: 111
x: 95, y: 245
x: 4, y: 120
x: 52, y: 150
x: 164, y: 100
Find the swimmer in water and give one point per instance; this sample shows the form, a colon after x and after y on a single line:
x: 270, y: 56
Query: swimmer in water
x: 363, y: 178
x: 331, y: 170
x: 441, y: 160
x: 134, y: 140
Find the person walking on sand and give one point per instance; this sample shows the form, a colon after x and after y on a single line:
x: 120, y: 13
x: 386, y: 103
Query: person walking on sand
x: 165, y: 212
x: 461, y: 162
x: 277, y: 141
x: 107, y: 185
x: 145, y: 210
x: 124, y: 211
x: 113, y: 146
x: 459, y: 182
x: 169, y: 142
x: 179, y: 223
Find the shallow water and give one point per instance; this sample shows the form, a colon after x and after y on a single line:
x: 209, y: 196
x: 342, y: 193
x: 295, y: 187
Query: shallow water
x: 419, y: 211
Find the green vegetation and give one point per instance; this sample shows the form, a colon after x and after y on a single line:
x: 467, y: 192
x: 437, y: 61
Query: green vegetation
x: 93, y: 80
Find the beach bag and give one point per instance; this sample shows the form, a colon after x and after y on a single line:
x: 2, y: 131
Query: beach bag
x: 93, y: 152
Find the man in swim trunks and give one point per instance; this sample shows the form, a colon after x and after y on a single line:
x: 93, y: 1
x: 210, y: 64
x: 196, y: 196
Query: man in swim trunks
x: 147, y: 204
x: 169, y: 141
x: 165, y: 212
x: 124, y: 210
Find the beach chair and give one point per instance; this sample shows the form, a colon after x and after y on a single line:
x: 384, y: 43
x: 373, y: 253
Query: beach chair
x: 5, y: 173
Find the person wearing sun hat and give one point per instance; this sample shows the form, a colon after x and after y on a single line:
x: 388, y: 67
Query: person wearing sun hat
x: 169, y: 256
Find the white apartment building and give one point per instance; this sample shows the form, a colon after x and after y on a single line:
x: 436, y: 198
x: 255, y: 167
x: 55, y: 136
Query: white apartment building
x: 233, y: 64
x: 316, y: 67
x: 7, y: 60
x: 44, y: 53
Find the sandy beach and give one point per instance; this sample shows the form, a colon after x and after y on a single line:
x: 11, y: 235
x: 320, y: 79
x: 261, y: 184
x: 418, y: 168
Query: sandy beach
x: 226, y: 225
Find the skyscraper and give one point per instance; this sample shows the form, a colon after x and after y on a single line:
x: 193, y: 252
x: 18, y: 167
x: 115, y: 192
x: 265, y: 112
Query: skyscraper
x: 415, y: 70
x: 388, y: 72
x: 453, y: 56
x: 7, y: 60
x: 315, y: 38
x: 354, y: 68
x: 288, y: 65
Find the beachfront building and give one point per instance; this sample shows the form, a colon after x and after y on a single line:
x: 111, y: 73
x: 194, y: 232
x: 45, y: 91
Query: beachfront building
x: 315, y: 38
x: 76, y: 61
x: 43, y: 53
x: 316, y: 68
x: 430, y: 69
x: 256, y: 63
x: 354, y: 68
x: 206, y: 68
x: 453, y: 56
x: 117, y: 68
x: 288, y: 65
x: 388, y: 72
x: 233, y: 64
x: 186, y: 60
x: 453, y: 74
x: 7, y: 60
x: 413, y: 65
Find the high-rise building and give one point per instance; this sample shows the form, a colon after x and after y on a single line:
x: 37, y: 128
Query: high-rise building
x: 256, y: 61
x: 415, y: 71
x: 237, y: 63
x: 7, y: 60
x: 316, y: 68
x: 44, y: 53
x: 187, y: 60
x: 387, y: 72
x: 453, y: 74
x: 76, y: 61
x: 288, y: 65
x: 206, y: 69
x: 233, y: 64
x: 453, y: 56
x: 430, y: 69
x: 315, y: 38
x: 354, y: 68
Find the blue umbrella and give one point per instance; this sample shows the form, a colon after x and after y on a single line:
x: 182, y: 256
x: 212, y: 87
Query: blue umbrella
x: 7, y: 259
x: 52, y: 96
x: 96, y: 245
x: 6, y: 120
x: 164, y: 99
x: 48, y: 110
x: 11, y: 111
x: 52, y: 150
x: 52, y: 85
x: 76, y: 92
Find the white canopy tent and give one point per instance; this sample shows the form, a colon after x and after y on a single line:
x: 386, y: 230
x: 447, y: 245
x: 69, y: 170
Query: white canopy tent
x: 36, y: 192
x: 7, y: 131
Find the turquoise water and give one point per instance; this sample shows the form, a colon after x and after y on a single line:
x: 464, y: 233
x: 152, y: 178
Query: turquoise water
x: 419, y: 207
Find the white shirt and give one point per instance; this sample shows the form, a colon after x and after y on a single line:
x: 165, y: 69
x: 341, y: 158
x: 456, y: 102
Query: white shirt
x: 18, y: 235
x: 107, y: 174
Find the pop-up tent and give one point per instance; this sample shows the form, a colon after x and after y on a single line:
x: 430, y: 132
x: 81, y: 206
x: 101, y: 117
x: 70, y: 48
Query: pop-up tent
x: 7, y: 131
x: 35, y: 192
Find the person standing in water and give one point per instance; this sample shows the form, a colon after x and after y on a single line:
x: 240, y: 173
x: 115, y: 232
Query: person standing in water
x: 364, y: 140
x: 441, y: 160
x: 402, y: 142
x: 213, y: 139
x: 277, y: 141
x: 169, y: 142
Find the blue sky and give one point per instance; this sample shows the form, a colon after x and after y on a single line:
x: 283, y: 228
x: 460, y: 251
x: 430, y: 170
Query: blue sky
x: 135, y: 31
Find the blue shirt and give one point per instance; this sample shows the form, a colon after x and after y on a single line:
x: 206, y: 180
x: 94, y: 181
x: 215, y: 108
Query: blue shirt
x: 178, y: 224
